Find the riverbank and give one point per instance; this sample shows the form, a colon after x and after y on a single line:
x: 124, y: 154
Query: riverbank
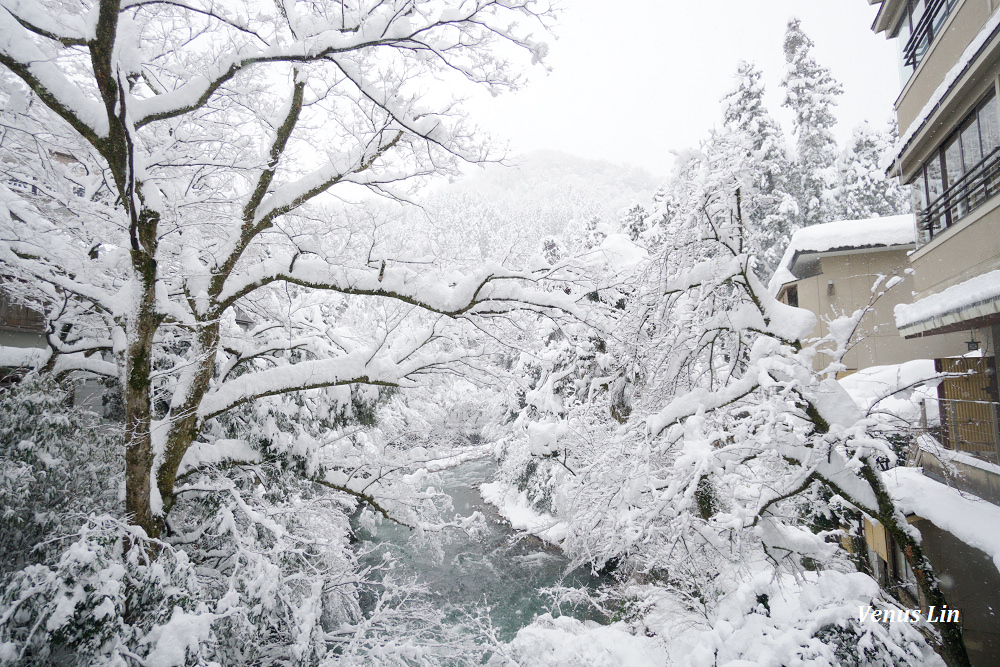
x: 505, y: 580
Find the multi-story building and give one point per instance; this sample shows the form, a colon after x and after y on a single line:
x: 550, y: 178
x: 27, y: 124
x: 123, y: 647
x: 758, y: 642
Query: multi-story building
x: 949, y: 152
x: 22, y: 335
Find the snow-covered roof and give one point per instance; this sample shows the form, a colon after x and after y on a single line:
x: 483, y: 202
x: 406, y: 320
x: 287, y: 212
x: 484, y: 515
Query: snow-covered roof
x: 972, y: 299
x: 895, y: 230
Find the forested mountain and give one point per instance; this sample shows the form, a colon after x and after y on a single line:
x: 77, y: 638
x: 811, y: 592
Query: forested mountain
x: 496, y: 210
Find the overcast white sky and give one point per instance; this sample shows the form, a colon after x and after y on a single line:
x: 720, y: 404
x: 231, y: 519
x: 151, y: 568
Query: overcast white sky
x: 634, y: 79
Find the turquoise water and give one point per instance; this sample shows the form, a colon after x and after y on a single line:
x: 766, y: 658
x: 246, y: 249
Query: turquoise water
x: 493, y: 571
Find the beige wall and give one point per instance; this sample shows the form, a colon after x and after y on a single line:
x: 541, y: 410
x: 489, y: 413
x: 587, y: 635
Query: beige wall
x: 877, y: 342
x: 963, y: 251
x: 22, y: 339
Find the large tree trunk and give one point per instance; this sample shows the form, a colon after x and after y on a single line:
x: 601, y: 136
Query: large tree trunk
x: 141, y: 329
x: 138, y: 416
x: 953, y: 645
x: 185, y: 425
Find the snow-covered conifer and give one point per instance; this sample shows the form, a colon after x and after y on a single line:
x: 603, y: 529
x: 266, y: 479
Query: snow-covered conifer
x: 768, y: 204
x: 810, y: 93
x: 863, y: 189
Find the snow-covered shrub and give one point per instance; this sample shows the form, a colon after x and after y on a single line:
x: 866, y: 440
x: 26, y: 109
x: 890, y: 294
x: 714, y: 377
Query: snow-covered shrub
x: 57, y: 465
x: 273, y: 552
x: 811, y: 619
x: 255, y: 565
x: 111, y: 596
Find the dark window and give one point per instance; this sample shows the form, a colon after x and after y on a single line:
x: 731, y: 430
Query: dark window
x: 972, y: 149
x: 960, y: 175
x: 792, y: 296
x: 989, y: 126
x: 919, y: 26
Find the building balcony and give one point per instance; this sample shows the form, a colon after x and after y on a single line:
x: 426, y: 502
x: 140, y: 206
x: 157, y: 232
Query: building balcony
x: 16, y: 317
x: 949, y: 61
x: 964, y: 196
x: 923, y: 28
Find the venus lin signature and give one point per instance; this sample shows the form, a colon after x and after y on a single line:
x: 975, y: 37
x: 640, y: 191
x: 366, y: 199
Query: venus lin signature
x: 934, y: 615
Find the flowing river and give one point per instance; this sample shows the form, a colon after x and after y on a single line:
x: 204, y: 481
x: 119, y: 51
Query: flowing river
x: 496, y: 571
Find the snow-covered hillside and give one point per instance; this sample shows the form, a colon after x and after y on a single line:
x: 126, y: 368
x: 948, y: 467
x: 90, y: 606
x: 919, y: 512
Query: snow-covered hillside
x: 503, y: 211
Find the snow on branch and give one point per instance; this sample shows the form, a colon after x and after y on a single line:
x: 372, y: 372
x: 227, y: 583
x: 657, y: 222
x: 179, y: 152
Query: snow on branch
x: 699, y: 400
x: 355, y: 368
x: 68, y: 30
x: 490, y: 290
x: 21, y: 55
x: 294, y: 195
x: 386, y: 28
x: 42, y: 250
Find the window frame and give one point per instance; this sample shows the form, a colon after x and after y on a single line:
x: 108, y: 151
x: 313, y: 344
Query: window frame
x: 949, y: 183
x: 928, y: 25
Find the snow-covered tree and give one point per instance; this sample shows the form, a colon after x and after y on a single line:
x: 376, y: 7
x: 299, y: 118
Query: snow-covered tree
x: 810, y: 94
x: 719, y: 475
x: 503, y: 210
x: 863, y: 190
x: 204, y: 139
x: 770, y: 208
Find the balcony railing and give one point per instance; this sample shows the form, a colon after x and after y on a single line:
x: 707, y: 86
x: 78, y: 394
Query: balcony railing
x: 925, y: 30
x: 970, y: 427
x: 964, y: 196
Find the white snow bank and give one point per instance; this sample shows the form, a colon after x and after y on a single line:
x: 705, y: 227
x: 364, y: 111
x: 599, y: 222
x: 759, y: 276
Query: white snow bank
x: 874, y: 232
x: 968, y: 518
x: 975, y: 291
x: 516, y: 508
x: 563, y: 641
x: 22, y: 357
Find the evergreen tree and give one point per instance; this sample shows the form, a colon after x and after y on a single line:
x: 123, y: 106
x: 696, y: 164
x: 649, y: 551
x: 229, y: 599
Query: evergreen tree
x: 636, y: 221
x: 767, y: 203
x: 863, y: 191
x: 810, y: 93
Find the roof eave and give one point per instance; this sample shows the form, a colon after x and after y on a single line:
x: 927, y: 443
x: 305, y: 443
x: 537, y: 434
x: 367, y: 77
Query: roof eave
x: 985, y: 313
x: 888, y: 15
